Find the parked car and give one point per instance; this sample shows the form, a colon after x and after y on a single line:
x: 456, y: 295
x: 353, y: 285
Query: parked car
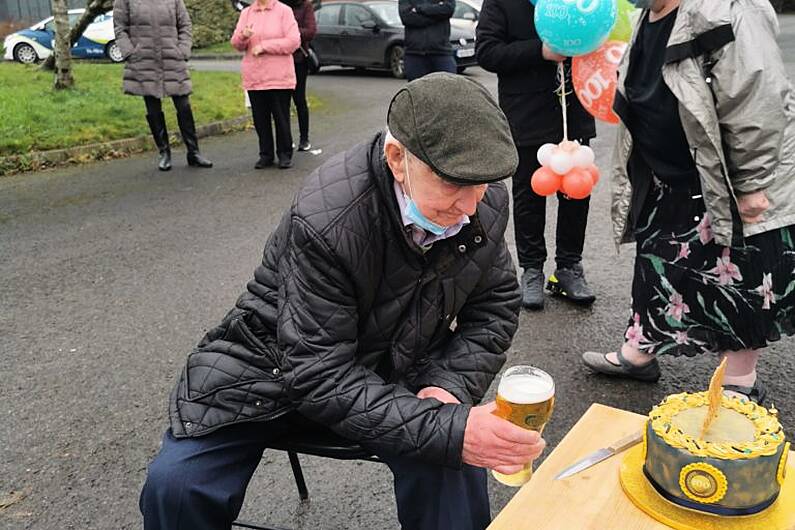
x: 36, y: 43
x: 370, y: 35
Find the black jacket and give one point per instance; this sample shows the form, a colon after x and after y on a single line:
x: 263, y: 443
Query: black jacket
x: 427, y: 24
x: 508, y: 45
x: 346, y: 319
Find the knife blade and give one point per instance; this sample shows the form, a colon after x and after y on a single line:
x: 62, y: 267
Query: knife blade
x: 601, y: 454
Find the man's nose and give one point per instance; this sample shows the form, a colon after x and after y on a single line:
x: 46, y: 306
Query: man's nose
x: 470, y: 197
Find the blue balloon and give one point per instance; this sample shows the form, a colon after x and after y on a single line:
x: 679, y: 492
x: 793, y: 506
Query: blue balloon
x: 575, y: 27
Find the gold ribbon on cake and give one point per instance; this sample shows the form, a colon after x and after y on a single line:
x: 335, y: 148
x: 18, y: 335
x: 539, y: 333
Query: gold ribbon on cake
x: 715, y: 393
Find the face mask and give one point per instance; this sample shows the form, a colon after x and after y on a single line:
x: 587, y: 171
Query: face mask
x: 413, y: 213
x: 642, y: 4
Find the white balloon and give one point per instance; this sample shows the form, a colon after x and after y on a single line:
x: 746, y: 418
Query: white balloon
x: 583, y: 156
x: 561, y: 162
x: 544, y: 153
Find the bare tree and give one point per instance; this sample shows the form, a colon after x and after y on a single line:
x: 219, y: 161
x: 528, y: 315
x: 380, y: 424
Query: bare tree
x: 94, y: 8
x: 62, y: 48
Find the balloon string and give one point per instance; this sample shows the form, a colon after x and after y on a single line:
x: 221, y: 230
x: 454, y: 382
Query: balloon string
x: 562, y: 74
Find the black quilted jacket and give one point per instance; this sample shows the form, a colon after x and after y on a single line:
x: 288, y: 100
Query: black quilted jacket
x: 346, y: 319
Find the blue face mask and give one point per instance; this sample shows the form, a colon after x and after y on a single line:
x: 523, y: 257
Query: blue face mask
x: 412, y: 212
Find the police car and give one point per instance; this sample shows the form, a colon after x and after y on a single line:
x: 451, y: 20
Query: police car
x: 36, y: 43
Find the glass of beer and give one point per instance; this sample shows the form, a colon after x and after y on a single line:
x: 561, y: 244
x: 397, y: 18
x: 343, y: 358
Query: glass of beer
x: 525, y: 397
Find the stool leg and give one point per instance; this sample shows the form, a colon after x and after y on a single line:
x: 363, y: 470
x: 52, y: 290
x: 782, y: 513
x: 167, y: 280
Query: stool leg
x: 303, y: 493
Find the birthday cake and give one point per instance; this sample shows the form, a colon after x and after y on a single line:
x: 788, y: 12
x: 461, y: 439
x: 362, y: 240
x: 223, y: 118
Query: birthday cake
x: 734, y: 464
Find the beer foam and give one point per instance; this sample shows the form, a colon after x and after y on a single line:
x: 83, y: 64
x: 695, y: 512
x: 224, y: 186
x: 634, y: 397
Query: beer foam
x: 526, y: 388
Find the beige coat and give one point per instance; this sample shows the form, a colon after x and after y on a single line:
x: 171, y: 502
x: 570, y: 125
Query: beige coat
x: 738, y: 112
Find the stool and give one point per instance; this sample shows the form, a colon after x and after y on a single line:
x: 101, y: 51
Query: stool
x: 325, y: 444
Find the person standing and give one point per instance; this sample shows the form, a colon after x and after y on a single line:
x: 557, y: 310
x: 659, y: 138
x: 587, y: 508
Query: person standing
x: 427, y: 40
x: 527, y: 70
x: 268, y: 34
x: 304, y: 13
x: 154, y: 37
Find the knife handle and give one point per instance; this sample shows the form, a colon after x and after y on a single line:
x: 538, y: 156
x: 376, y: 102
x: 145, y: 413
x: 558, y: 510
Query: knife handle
x: 626, y: 442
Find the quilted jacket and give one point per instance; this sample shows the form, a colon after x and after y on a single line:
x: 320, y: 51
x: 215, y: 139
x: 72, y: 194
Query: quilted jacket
x: 346, y: 319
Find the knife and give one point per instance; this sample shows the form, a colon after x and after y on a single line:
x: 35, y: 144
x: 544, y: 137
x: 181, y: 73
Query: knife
x: 601, y: 454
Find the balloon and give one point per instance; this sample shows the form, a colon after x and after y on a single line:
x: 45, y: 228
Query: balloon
x: 561, y: 162
x: 622, y: 31
x: 583, y: 156
x: 545, y: 182
x: 544, y: 153
x: 577, y: 184
x: 595, y: 79
x: 574, y: 27
x: 594, y: 171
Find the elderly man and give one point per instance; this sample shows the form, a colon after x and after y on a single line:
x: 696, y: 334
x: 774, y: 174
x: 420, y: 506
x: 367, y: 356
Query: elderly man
x: 382, y: 310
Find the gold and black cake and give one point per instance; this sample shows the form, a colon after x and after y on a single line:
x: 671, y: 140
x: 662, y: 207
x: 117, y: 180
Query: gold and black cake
x: 734, y: 467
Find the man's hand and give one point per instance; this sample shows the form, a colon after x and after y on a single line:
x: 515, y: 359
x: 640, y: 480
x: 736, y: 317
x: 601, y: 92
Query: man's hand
x: 498, y: 444
x: 549, y: 55
x: 751, y: 206
x: 248, y: 31
x: 439, y: 393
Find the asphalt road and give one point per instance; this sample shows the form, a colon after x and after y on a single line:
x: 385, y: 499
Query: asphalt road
x: 112, y: 271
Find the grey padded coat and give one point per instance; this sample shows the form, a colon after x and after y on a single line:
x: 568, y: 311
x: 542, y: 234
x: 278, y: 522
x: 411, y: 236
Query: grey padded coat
x: 154, y: 37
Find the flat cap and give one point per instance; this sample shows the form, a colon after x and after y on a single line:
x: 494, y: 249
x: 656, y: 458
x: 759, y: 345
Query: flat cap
x: 454, y: 125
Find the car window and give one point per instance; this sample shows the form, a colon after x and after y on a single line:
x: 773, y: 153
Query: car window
x: 388, y: 11
x: 328, y: 15
x: 357, y: 16
x: 461, y: 8
x: 73, y: 18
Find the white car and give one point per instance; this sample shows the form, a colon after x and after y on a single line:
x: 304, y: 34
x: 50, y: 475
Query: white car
x: 466, y: 14
x: 35, y: 43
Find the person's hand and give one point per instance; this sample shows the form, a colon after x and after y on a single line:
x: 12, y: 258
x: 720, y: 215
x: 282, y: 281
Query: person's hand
x: 248, y: 31
x: 439, y: 393
x: 257, y: 50
x: 752, y: 205
x: 549, y: 55
x: 495, y: 443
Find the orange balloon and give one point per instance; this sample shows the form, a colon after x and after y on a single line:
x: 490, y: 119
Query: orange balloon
x: 595, y: 79
x: 577, y: 183
x: 545, y: 181
x: 594, y: 171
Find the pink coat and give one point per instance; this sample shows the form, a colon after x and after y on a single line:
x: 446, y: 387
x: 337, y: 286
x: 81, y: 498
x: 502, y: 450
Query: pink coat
x: 276, y: 33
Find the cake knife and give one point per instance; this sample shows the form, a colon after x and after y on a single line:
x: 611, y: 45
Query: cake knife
x: 601, y: 454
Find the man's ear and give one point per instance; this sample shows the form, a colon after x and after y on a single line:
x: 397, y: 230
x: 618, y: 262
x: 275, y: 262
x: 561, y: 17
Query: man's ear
x: 394, y: 159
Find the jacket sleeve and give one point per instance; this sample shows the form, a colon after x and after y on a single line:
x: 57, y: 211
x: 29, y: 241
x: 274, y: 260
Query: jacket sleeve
x: 440, y: 10
x: 121, y: 27
x: 184, y: 30
x: 317, y: 330
x: 750, y: 88
x: 466, y: 365
x: 496, y: 52
x: 308, y: 28
x: 410, y: 17
x: 292, y: 37
x: 238, y: 41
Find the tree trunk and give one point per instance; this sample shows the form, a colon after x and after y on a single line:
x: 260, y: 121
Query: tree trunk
x: 93, y: 9
x: 61, y: 49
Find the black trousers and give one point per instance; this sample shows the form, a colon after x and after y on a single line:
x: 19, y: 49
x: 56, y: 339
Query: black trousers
x: 154, y: 105
x: 299, y: 98
x: 416, y: 65
x: 529, y: 218
x: 267, y: 104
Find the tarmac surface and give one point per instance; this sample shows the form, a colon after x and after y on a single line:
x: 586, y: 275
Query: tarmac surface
x: 111, y: 272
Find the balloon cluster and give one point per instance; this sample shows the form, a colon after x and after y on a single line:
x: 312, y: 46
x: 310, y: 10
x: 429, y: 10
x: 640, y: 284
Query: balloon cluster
x: 567, y: 167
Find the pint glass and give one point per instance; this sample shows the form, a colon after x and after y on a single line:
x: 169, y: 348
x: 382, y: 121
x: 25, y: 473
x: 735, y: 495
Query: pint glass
x: 525, y: 397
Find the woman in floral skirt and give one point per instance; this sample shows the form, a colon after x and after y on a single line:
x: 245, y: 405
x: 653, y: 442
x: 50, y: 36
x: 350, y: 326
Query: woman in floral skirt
x: 704, y: 183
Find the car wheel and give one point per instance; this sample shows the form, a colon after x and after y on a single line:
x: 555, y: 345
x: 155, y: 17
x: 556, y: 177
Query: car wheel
x: 113, y: 52
x: 461, y: 69
x: 25, y: 54
x: 396, y: 62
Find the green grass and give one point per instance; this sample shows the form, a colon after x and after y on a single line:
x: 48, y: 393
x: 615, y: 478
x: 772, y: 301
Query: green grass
x: 34, y: 117
x: 213, y: 49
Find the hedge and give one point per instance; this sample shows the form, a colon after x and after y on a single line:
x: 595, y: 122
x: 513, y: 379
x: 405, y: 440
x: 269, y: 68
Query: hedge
x: 213, y: 21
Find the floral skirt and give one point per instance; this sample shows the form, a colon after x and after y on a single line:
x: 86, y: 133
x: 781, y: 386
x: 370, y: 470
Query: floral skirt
x: 691, y: 295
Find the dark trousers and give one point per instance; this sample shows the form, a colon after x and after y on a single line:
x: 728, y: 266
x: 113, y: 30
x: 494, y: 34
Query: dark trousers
x: 154, y: 105
x: 267, y: 104
x: 417, y: 66
x: 529, y: 218
x: 199, y: 484
x: 299, y: 98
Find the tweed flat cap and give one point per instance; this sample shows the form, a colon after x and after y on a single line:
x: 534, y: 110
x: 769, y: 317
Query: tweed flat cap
x: 454, y: 125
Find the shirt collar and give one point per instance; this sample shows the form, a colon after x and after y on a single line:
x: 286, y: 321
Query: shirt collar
x: 418, y: 235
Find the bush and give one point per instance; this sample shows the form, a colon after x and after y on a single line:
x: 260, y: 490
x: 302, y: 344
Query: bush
x: 213, y: 21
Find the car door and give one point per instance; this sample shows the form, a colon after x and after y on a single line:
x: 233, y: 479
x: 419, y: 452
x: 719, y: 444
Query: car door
x: 327, y: 39
x: 360, y: 37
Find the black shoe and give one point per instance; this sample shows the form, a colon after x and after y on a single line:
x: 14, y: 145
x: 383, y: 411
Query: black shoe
x: 304, y: 145
x: 157, y: 124
x: 570, y: 283
x: 197, y: 160
x: 263, y: 162
x: 285, y: 163
x: 649, y: 372
x: 755, y: 393
x: 533, y: 289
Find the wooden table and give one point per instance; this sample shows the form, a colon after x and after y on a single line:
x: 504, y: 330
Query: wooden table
x: 591, y: 499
